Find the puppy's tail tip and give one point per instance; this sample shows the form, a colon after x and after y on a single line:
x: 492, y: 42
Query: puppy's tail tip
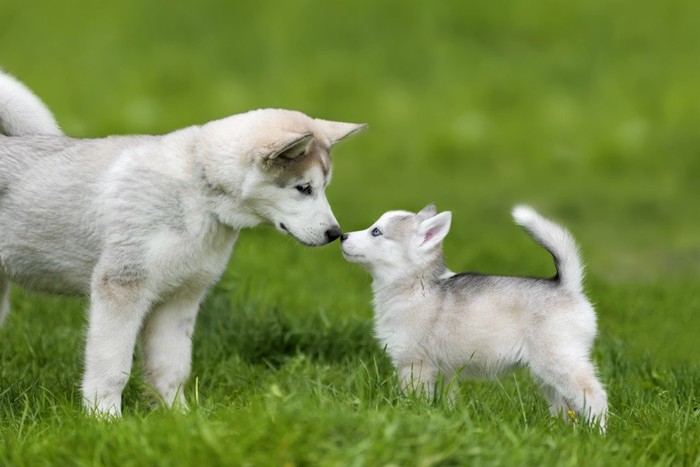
x: 523, y: 214
x: 22, y: 112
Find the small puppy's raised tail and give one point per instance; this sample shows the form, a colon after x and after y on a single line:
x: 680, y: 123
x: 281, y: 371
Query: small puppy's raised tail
x: 558, y: 241
x: 22, y: 112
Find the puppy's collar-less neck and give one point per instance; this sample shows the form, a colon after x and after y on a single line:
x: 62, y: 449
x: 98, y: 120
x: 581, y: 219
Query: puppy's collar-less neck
x: 421, y: 282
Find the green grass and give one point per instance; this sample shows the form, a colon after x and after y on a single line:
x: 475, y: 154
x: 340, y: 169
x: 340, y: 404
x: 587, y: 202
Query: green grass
x: 588, y: 110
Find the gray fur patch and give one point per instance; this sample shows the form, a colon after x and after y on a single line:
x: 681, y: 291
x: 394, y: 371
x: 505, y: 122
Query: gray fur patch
x: 124, y: 275
x: 470, y: 285
x: 472, y: 280
x: 399, y: 227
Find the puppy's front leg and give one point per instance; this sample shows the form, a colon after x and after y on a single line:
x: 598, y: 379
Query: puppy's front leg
x: 167, y: 344
x: 117, y: 309
x: 418, y: 377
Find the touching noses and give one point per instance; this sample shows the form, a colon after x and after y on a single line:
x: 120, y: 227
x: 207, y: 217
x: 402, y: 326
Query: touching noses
x: 333, y: 233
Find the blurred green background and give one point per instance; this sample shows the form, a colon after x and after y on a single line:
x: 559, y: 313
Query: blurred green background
x: 588, y: 110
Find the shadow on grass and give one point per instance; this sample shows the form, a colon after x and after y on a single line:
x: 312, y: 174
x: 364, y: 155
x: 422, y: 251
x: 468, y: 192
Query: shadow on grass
x: 269, y: 335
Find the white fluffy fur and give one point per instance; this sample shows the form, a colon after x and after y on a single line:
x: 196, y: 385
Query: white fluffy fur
x: 144, y: 225
x: 22, y: 112
x: 433, y: 321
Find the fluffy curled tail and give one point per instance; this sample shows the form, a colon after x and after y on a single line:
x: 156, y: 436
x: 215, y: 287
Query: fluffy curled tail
x: 558, y: 241
x: 22, y: 112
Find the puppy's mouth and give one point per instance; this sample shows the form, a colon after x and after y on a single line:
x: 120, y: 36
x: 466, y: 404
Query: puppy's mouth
x: 353, y: 256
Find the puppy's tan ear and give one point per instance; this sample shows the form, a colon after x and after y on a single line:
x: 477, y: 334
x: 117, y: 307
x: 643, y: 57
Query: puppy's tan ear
x: 289, y: 146
x: 427, y: 212
x: 337, y: 131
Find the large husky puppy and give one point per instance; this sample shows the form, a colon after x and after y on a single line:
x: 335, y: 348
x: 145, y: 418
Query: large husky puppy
x: 144, y: 225
x: 433, y: 321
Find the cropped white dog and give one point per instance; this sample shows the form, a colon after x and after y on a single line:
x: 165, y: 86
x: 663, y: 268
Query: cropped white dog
x: 144, y: 225
x: 433, y: 321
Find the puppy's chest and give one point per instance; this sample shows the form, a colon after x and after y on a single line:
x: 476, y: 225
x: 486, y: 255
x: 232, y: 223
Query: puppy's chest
x: 193, y: 262
x: 403, y: 329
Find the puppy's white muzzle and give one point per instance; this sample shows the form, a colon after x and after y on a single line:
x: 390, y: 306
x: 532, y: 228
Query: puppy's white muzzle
x: 348, y: 247
x: 307, y: 238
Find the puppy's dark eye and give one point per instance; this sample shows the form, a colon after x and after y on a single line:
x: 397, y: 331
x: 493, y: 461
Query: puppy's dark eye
x: 304, y: 189
x: 376, y: 232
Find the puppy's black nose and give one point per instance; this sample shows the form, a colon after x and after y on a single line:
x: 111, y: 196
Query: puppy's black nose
x: 343, y: 237
x: 333, y: 233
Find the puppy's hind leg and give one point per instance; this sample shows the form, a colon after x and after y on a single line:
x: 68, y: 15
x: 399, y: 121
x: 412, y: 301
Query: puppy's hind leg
x: 167, y: 345
x: 558, y: 407
x: 575, y: 387
x: 592, y: 400
x: 4, y: 297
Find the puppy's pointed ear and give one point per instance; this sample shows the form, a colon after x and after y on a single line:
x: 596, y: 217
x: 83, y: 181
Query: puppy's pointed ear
x: 289, y: 146
x: 427, y: 212
x: 432, y: 231
x: 337, y: 131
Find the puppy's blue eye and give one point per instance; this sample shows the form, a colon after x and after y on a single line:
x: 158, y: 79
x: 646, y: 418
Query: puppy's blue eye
x: 376, y: 232
x: 304, y: 189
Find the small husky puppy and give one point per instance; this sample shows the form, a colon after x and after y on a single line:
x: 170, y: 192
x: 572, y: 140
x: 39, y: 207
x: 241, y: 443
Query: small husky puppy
x: 145, y: 225
x: 432, y: 321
